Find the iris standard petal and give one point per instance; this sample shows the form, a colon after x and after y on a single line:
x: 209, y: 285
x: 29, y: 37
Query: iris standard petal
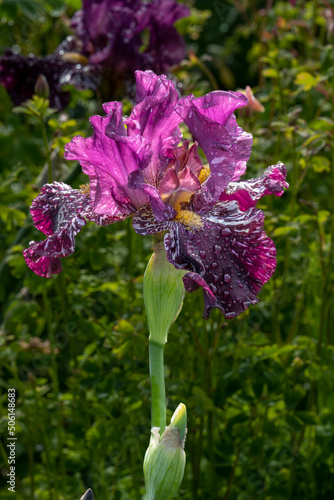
x: 109, y: 160
x: 248, y: 192
x: 60, y: 212
x: 154, y: 119
x: 208, y: 118
x: 230, y: 257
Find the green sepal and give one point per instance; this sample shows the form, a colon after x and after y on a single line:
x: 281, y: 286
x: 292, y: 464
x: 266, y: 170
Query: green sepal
x: 163, y: 294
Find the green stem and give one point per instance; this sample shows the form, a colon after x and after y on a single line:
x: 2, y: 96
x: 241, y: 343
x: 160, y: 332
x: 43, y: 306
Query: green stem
x: 158, y: 415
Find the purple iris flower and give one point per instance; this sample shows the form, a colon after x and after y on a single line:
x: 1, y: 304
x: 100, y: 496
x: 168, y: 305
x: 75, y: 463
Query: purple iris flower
x: 111, y: 32
x: 108, y: 43
x: 18, y: 73
x: 140, y: 166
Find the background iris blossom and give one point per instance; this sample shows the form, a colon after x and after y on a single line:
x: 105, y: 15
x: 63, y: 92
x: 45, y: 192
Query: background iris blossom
x: 136, y: 166
x: 108, y: 43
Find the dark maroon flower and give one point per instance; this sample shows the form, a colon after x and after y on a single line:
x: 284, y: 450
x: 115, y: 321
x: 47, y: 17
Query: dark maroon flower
x: 137, y: 166
x: 109, y: 43
x: 111, y: 32
x: 19, y: 74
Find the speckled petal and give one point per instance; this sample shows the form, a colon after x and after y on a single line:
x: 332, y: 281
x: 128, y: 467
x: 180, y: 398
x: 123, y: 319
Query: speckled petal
x: 144, y: 222
x: 154, y: 119
x: 209, y: 120
x: 247, y: 193
x: 230, y: 257
x: 60, y: 212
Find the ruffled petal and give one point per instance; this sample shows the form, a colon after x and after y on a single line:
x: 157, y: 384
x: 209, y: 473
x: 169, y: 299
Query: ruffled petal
x: 109, y: 160
x: 209, y: 120
x: 247, y: 193
x: 154, y: 119
x: 60, y: 212
x: 230, y: 257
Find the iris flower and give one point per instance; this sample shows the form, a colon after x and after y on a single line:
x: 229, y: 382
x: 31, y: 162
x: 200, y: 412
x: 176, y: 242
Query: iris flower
x: 19, y: 74
x: 139, y: 166
x: 111, y: 32
x: 109, y: 42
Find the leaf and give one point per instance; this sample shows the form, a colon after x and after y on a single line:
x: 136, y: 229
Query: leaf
x: 283, y: 231
x: 306, y: 80
x: 294, y: 423
x: 270, y: 73
x: 320, y: 164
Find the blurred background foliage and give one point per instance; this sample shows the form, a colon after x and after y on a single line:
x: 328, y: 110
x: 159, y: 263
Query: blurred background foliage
x: 259, y: 389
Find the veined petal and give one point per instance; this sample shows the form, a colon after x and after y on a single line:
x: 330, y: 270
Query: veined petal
x: 230, y: 257
x: 209, y: 120
x: 60, y: 212
x: 154, y: 119
x: 247, y: 193
x: 144, y: 222
x: 108, y: 160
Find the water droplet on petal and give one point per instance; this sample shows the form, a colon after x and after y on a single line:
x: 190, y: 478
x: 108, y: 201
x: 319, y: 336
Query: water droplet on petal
x: 226, y: 293
x: 213, y: 288
x: 217, y: 248
x: 215, y: 278
x: 233, y: 242
x: 230, y: 315
x: 227, y: 278
x: 245, y: 304
x: 202, y: 254
x: 214, y: 265
x: 240, y: 285
x: 226, y: 231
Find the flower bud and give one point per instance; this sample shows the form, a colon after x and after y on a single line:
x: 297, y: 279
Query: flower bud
x: 42, y: 88
x: 88, y: 495
x: 163, y: 294
x: 165, y: 458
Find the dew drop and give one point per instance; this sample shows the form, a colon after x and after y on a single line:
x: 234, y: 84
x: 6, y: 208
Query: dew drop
x: 240, y: 285
x: 227, y: 239
x: 217, y: 248
x: 230, y: 315
x: 226, y: 293
x: 234, y: 301
x: 214, y: 265
x: 233, y: 242
x: 227, y: 278
x: 215, y: 278
x: 226, y: 231
x: 245, y: 304
x: 213, y: 287
x: 202, y: 254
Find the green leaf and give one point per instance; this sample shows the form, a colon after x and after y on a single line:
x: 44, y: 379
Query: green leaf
x: 294, y: 423
x: 306, y: 80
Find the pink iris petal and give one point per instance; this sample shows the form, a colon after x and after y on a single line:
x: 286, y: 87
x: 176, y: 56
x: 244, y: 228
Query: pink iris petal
x: 242, y: 146
x: 208, y: 118
x: 108, y: 161
x: 60, y: 212
x: 184, y: 181
x: 248, y: 192
x: 230, y: 257
x: 154, y: 119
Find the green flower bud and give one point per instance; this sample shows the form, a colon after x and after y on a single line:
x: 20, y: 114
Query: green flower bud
x: 165, y: 458
x: 88, y: 495
x: 42, y: 88
x: 163, y: 294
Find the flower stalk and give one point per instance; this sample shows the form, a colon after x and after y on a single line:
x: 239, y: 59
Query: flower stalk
x: 163, y: 295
